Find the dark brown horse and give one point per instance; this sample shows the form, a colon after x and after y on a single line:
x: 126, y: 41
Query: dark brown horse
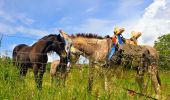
x: 35, y: 56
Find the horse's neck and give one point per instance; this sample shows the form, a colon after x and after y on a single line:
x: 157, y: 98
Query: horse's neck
x: 84, y: 45
x: 48, y: 47
x: 43, y: 46
x: 95, y: 49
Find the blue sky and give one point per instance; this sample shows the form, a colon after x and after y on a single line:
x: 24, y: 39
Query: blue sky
x: 50, y: 14
x: 36, y: 18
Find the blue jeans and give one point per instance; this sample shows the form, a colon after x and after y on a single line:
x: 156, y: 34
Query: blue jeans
x: 119, y: 39
x: 112, y: 51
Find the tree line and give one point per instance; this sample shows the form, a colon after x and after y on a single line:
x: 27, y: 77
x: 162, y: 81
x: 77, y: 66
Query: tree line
x: 162, y: 45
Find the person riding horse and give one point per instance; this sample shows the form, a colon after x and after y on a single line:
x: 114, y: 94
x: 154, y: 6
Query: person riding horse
x: 117, y: 38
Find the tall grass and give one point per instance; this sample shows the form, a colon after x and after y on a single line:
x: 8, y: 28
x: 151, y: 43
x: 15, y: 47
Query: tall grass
x: 14, y: 87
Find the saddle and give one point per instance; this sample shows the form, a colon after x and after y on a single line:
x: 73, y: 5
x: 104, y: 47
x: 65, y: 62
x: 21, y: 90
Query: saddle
x: 131, y: 55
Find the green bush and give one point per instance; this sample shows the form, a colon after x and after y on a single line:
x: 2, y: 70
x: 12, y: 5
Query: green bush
x: 162, y: 45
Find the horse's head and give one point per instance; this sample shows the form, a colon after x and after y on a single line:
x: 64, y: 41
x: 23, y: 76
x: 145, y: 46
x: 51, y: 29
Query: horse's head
x: 56, y: 43
x: 74, y: 54
x: 90, y: 46
x: 59, y: 46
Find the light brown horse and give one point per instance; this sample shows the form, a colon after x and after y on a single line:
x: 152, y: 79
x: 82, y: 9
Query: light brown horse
x: 35, y: 56
x: 53, y: 67
x: 96, y: 49
x: 73, y: 55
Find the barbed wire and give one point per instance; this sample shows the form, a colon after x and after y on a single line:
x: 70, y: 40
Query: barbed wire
x: 39, y: 53
x: 26, y: 62
x: 84, y: 61
x: 27, y: 52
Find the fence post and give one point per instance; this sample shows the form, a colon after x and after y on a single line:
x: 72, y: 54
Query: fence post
x: 1, y: 37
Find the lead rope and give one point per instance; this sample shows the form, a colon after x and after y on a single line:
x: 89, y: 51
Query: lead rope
x: 70, y: 44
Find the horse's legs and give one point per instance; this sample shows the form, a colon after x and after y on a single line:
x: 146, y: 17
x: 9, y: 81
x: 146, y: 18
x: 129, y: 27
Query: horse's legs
x: 63, y: 78
x: 40, y: 76
x: 155, y: 80
x: 106, y: 79
x: 60, y: 77
x: 23, y: 69
x: 106, y: 83
x: 53, y: 80
x: 35, y: 69
x: 102, y: 76
x: 90, y: 76
x: 140, y: 80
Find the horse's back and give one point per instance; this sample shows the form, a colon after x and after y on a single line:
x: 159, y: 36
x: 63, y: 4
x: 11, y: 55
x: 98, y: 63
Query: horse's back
x: 54, y: 65
x: 20, y: 53
x: 17, y: 49
x: 133, y: 50
x: 152, y: 51
x: 132, y: 55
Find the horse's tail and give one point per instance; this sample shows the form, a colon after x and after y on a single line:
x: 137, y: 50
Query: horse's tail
x: 158, y: 78
x: 14, y: 54
x: 15, y: 51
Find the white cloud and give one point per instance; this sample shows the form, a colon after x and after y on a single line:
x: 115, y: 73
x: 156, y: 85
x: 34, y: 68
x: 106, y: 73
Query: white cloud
x: 13, y: 18
x: 13, y: 46
x: 93, y: 25
x: 24, y: 19
x: 31, y: 31
x: 6, y: 17
x: 9, y: 24
x: 151, y: 24
x: 9, y: 29
x: 4, y: 28
x: 65, y: 20
x: 125, y: 4
x: 91, y: 9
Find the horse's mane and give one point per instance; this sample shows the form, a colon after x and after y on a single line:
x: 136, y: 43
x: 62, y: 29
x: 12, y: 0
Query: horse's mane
x: 87, y: 35
x: 47, y: 36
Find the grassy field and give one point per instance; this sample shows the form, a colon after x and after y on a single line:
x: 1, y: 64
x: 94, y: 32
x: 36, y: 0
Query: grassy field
x: 12, y: 87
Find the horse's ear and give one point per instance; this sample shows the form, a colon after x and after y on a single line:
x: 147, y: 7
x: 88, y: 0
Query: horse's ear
x: 64, y: 34
x: 59, y: 35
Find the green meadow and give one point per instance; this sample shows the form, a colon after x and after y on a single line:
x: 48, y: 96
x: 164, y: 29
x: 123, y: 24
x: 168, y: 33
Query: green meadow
x: 13, y: 87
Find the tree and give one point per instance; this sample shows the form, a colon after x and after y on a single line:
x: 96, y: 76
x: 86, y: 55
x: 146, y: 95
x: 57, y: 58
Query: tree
x: 162, y: 45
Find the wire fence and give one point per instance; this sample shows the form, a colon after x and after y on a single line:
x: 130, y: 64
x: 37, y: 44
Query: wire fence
x: 8, y: 53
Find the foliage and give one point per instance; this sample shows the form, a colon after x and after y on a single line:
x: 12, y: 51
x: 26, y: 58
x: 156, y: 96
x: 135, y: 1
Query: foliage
x: 162, y: 45
x: 14, y: 87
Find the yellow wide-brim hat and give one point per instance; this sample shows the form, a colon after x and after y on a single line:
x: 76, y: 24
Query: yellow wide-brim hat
x: 136, y: 35
x: 116, y: 30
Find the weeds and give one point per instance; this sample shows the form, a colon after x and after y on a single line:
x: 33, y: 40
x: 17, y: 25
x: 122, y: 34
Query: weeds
x: 13, y: 87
